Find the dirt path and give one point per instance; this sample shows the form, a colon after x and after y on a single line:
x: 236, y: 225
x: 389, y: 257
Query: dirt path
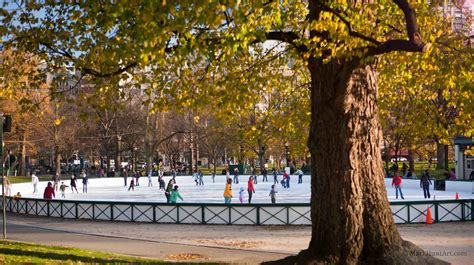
x: 452, y: 242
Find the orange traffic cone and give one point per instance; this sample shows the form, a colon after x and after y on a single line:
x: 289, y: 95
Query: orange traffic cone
x: 429, y: 220
x: 457, y: 196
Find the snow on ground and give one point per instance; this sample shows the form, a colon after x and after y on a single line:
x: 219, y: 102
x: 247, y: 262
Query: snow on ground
x: 112, y: 189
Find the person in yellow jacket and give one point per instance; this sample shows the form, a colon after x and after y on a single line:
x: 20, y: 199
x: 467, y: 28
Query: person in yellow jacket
x: 228, y: 191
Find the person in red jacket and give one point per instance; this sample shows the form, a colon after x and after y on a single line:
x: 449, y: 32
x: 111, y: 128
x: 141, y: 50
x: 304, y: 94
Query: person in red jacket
x: 397, y: 181
x: 49, y: 192
x: 250, y: 188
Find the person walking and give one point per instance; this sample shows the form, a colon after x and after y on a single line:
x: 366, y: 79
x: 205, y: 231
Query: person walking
x: 236, y: 176
x: 250, y: 188
x: 275, y: 176
x: 272, y: 194
x: 49, y: 192
x: 201, y: 176
x: 124, y: 176
x: 404, y: 169
x: 85, y: 181
x: 175, y: 195
x: 254, y: 174
x: 169, y: 189
x: 73, y: 183
x: 425, y: 183
x: 264, y: 175
x: 62, y: 188
x: 241, y: 194
x: 138, y: 174
x: 299, y: 172
x: 8, y: 186
x: 150, y: 184
x: 196, y: 177
x: 132, y: 185
x: 228, y: 192
x: 288, y: 177
x: 284, y: 181
x: 397, y: 181
x: 56, y: 180
x: 34, y: 181
x: 214, y: 176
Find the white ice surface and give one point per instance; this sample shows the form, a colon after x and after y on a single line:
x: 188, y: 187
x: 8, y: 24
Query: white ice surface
x: 112, y: 189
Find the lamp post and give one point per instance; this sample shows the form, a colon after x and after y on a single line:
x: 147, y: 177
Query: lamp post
x: 4, y: 210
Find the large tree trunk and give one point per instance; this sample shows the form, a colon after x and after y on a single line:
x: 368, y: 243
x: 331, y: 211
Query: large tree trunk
x: 23, y: 155
x: 411, y: 160
x: 440, y: 156
x: 57, y: 162
x: 351, y: 217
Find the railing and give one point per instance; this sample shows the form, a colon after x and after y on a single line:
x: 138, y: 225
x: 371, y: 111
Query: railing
x: 242, y: 214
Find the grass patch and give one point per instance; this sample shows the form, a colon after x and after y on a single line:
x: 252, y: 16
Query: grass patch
x: 24, y: 253
x: 27, y: 253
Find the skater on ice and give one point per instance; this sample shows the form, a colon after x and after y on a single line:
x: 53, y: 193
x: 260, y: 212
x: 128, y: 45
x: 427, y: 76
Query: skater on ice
x: 228, y: 192
x: 241, y: 194
x: 250, y: 188
x: 272, y: 194
x: 62, y: 188
x: 34, y: 181
x: 175, y: 195
x: 74, y: 183
x: 397, y: 181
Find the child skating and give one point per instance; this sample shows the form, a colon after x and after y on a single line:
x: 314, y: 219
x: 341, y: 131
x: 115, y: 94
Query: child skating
x: 241, y: 194
x: 175, y: 195
x: 272, y: 194
x: 132, y: 185
x: 62, y: 188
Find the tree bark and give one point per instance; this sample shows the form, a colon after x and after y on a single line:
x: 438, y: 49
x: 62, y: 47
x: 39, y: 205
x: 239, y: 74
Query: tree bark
x: 411, y: 160
x: 23, y: 155
x: 57, y: 161
x: 351, y: 217
x: 440, y: 156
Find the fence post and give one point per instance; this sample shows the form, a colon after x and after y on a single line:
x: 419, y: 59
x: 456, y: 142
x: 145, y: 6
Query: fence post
x: 77, y: 210
x: 287, y: 214
x: 408, y: 214
x: 472, y: 215
x: 203, y: 219
x: 436, y: 211
x: 177, y: 214
x: 463, y: 217
x: 258, y: 215
x: 131, y: 210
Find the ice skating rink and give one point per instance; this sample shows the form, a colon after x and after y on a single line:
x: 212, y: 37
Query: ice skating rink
x: 112, y: 189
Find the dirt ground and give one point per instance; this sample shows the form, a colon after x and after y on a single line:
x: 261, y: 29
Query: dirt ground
x: 452, y: 242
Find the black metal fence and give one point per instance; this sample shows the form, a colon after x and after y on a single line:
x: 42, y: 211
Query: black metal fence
x: 242, y: 214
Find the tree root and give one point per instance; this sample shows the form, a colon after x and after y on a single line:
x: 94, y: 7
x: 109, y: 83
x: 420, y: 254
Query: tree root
x: 408, y: 253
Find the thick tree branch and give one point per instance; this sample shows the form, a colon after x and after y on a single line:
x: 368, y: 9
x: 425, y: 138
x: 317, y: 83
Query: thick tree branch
x: 414, y: 42
x: 289, y: 37
x: 109, y: 74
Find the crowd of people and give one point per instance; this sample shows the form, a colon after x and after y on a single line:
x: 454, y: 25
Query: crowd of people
x: 172, y: 194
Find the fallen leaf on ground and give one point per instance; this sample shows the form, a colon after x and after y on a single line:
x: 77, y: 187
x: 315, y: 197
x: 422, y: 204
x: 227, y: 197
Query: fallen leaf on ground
x: 186, y: 256
x: 239, y: 244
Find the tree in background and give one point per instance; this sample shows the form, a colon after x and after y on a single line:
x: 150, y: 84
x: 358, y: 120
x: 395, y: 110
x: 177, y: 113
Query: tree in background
x: 338, y: 42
